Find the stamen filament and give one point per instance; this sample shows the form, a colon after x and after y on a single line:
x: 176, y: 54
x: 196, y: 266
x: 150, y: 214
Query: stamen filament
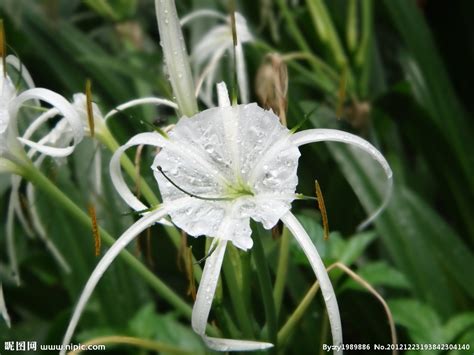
x: 189, y: 193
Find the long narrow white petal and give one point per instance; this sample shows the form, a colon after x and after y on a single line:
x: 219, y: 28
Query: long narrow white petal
x: 332, y: 135
x: 42, y: 234
x: 203, y: 303
x: 201, y: 13
x: 44, y: 117
x: 176, y: 56
x: 153, y: 139
x: 10, y: 240
x: 241, y: 73
x: 3, y: 308
x: 319, y: 269
x: 25, y: 74
x: 64, y: 108
x: 142, y: 101
x: 48, y: 150
x: 209, y: 70
x: 223, y: 95
x: 15, y: 196
x: 105, y: 262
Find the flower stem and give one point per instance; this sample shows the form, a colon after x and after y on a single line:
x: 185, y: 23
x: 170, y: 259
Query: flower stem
x: 295, y: 317
x: 263, y: 274
x: 31, y: 173
x: 282, y: 269
x: 235, y: 294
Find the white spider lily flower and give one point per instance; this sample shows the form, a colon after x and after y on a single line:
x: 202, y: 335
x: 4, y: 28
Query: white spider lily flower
x: 212, y: 47
x: 215, y: 171
x: 13, y: 154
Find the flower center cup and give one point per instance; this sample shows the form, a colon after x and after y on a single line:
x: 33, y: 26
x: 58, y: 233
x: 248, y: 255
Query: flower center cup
x: 240, y: 155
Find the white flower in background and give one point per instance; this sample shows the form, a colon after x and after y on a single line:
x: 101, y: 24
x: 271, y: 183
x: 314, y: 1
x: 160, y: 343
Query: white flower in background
x: 211, y: 48
x: 12, y: 153
x: 215, y: 171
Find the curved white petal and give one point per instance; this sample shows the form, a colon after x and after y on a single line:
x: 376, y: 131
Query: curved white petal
x: 3, y: 308
x: 48, y: 150
x: 25, y: 74
x: 42, y: 234
x: 105, y: 262
x: 208, y: 72
x: 332, y: 135
x: 201, y: 13
x: 153, y: 139
x: 11, y: 242
x: 64, y: 108
x: 15, y: 192
x: 142, y: 101
x: 41, y: 119
x: 203, y: 303
x: 319, y: 269
x: 241, y: 69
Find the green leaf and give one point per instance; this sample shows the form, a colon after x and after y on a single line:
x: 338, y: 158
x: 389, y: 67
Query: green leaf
x: 458, y: 325
x: 430, y: 81
x: 148, y: 324
x: 423, y: 247
x: 355, y: 247
x: 421, y: 321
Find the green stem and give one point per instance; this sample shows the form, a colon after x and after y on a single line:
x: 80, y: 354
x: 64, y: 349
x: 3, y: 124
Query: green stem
x: 292, y: 27
x: 263, y: 274
x: 282, y: 269
x: 295, y: 317
x: 326, y: 31
x: 241, y: 312
x: 34, y: 175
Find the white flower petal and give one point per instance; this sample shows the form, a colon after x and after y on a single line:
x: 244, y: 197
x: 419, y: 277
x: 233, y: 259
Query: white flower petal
x: 332, y: 135
x: 3, y: 308
x: 10, y: 240
x: 223, y: 95
x: 40, y: 120
x: 203, y: 303
x: 201, y: 13
x: 25, y: 74
x: 105, y: 262
x: 153, y: 139
x: 319, y: 269
x: 143, y: 101
x: 242, y: 73
x: 15, y: 197
x: 64, y: 108
x: 42, y: 234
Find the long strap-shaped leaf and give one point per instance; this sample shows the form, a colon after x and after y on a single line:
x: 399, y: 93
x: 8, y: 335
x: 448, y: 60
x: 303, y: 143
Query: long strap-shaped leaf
x: 202, y: 306
x: 319, y: 269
